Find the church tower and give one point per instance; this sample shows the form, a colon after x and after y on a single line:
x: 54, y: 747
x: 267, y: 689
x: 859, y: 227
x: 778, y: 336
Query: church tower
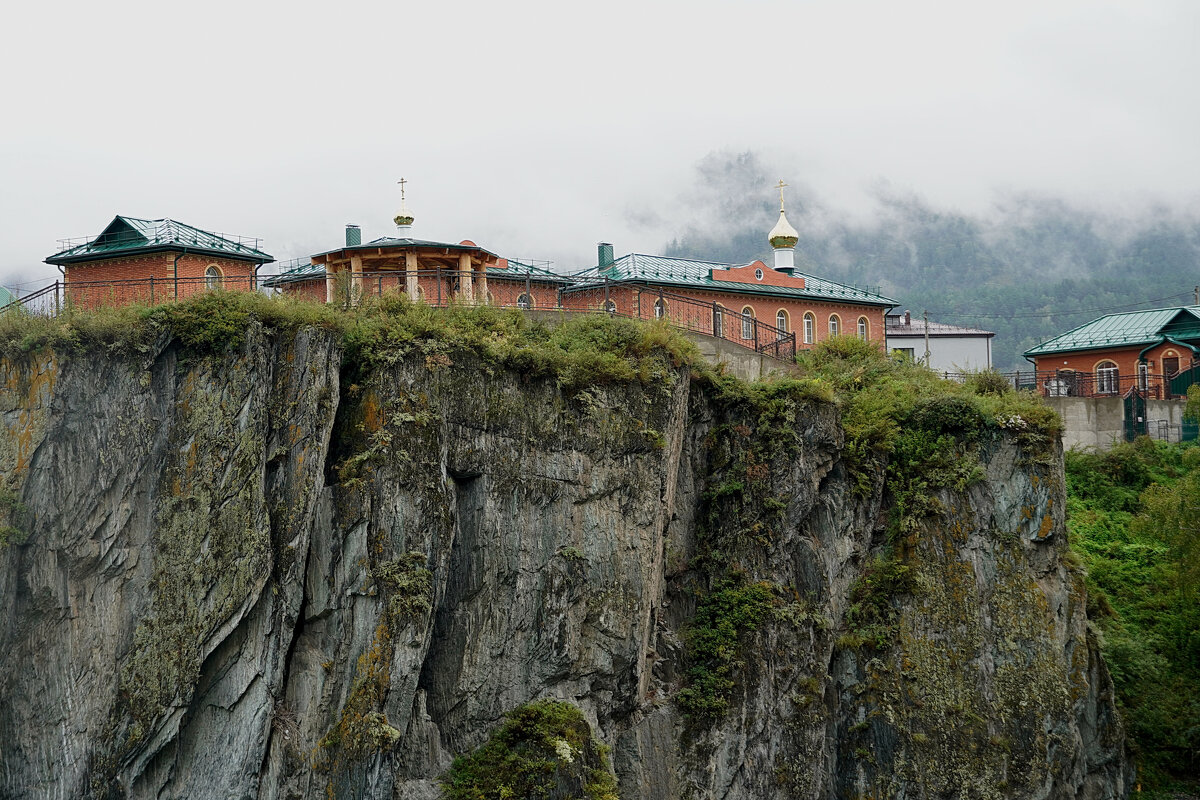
x: 783, y: 238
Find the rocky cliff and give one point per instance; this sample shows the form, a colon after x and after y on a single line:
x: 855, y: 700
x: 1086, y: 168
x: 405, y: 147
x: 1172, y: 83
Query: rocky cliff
x: 260, y: 574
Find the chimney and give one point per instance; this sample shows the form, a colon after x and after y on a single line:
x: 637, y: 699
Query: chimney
x: 907, y: 318
x: 604, y: 255
x: 353, y: 235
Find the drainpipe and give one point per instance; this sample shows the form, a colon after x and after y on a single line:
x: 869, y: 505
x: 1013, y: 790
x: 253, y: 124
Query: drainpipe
x: 176, y: 272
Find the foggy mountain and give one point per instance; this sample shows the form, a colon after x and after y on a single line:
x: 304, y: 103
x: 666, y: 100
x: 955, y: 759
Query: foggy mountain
x: 1031, y: 268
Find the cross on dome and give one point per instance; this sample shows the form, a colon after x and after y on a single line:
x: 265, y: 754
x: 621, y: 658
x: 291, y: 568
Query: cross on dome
x: 404, y: 219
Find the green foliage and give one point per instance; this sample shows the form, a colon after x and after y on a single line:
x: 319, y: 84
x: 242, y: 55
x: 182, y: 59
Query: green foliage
x: 407, y: 585
x: 528, y: 756
x: 1191, y: 411
x: 881, y: 398
x: 1133, y: 518
x: 872, y: 616
x: 12, y: 513
x: 715, y: 638
x: 581, y: 351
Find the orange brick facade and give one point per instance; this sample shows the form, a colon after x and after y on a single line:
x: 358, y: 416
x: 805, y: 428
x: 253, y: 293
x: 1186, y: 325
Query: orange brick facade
x: 626, y: 299
x: 765, y: 309
x: 150, y: 278
x: 1161, y: 362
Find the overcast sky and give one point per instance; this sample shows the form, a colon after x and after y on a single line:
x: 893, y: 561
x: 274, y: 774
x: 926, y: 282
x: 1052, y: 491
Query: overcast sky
x: 538, y: 129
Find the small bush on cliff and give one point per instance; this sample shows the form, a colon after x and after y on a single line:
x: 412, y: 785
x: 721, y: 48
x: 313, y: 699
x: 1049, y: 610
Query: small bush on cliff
x: 581, y: 351
x: 539, y: 747
x: 715, y: 639
x: 881, y: 397
x: 1133, y: 517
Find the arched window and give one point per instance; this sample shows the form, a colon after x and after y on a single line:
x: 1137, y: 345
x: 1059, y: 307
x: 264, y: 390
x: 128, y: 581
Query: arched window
x: 212, y: 277
x: 718, y: 320
x: 747, y: 323
x: 660, y: 308
x: 611, y: 308
x: 835, y: 325
x: 864, y: 329
x: 781, y: 320
x: 810, y: 328
x: 1108, y: 379
x: 524, y: 301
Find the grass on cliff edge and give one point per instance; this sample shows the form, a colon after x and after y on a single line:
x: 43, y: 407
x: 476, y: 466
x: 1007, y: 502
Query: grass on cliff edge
x: 581, y: 351
x: 881, y: 397
x: 1133, y: 515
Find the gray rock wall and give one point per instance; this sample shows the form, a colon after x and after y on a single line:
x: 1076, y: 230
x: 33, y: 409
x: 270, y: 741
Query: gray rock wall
x: 244, y: 579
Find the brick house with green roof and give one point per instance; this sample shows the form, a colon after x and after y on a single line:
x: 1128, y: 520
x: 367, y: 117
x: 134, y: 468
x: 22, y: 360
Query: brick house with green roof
x: 782, y: 299
x: 150, y: 260
x: 1115, y: 353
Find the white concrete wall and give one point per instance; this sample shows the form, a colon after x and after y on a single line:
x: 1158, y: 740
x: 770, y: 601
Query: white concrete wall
x: 947, y: 353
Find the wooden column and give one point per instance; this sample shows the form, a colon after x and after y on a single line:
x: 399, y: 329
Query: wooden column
x: 410, y: 275
x: 483, y: 290
x: 356, y: 287
x: 467, y: 289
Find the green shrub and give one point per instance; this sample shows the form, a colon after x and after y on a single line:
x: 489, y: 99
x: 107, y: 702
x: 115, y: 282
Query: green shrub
x: 1132, y: 519
x: 725, y: 617
x: 530, y: 754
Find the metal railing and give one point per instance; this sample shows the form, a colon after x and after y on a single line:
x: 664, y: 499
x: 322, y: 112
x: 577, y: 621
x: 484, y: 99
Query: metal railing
x: 443, y: 287
x: 167, y: 232
x: 1069, y: 383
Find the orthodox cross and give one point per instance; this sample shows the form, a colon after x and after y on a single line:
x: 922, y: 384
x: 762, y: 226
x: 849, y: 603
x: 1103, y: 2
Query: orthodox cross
x: 403, y: 181
x: 780, y: 187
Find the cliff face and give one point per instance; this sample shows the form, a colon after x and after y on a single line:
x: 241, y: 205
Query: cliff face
x: 234, y: 576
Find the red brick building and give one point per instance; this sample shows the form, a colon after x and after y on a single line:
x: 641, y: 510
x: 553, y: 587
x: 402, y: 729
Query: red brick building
x: 1119, y: 352
x: 750, y: 304
x: 143, y: 260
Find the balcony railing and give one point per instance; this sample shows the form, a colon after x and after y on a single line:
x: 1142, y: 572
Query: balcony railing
x: 1069, y: 383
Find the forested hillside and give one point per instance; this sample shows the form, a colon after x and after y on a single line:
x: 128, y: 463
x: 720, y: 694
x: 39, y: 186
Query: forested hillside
x: 1032, y: 268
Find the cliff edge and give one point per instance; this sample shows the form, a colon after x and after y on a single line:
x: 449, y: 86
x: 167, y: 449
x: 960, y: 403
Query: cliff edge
x: 281, y: 570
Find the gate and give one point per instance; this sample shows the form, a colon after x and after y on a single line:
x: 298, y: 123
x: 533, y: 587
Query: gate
x: 1135, y: 415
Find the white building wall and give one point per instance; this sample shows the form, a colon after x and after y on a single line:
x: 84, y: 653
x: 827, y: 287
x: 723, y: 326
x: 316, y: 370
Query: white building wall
x: 948, y: 353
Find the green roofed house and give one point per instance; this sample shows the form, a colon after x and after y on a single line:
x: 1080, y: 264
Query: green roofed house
x: 148, y: 260
x: 1151, y: 351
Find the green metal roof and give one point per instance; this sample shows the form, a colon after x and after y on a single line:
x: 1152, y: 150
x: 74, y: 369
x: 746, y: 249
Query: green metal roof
x: 696, y: 274
x: 392, y: 241
x: 131, y: 234
x: 1125, y: 330
x: 516, y: 269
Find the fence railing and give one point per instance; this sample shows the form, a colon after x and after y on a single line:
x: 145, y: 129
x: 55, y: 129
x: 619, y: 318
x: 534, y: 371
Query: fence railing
x: 1069, y: 383
x: 442, y: 287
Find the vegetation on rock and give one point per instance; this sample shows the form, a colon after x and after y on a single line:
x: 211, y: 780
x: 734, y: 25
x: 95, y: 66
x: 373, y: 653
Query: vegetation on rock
x: 1134, y: 518
x: 542, y: 750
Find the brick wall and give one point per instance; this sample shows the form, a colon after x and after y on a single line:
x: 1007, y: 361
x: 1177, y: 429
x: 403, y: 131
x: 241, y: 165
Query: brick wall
x: 1126, y: 360
x: 149, y: 278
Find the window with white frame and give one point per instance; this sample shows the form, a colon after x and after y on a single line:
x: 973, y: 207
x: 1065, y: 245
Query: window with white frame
x: 863, y: 329
x: 212, y: 277
x: 835, y: 325
x: 810, y: 328
x: 1108, y: 378
x: 747, y: 323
